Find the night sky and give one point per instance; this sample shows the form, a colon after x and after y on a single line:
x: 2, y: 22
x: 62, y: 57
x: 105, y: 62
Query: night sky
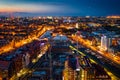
x: 63, y: 7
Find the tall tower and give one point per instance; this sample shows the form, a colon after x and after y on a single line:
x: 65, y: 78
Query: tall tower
x: 102, y: 41
x: 109, y: 41
x: 106, y: 42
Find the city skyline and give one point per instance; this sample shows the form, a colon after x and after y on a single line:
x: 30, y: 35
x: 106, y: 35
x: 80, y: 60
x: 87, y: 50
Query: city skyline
x: 59, y: 47
x: 62, y: 7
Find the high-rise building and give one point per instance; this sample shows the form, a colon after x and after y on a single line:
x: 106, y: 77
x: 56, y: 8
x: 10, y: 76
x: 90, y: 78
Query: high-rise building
x: 106, y: 42
x: 102, y: 41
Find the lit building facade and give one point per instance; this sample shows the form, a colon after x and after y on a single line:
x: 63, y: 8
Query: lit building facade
x: 106, y: 42
x: 77, y: 25
x: 68, y: 72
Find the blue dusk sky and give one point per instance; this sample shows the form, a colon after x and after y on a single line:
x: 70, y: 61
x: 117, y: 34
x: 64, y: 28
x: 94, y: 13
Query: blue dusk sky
x: 63, y: 7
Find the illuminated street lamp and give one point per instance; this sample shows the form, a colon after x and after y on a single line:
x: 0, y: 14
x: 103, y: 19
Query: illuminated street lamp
x: 78, y: 69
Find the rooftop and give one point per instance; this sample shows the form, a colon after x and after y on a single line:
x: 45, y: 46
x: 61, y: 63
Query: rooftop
x: 4, y: 65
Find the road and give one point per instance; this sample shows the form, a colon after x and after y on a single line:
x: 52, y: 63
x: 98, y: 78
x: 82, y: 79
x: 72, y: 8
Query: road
x: 103, y: 62
x: 86, y: 43
x: 32, y: 66
x: 10, y: 47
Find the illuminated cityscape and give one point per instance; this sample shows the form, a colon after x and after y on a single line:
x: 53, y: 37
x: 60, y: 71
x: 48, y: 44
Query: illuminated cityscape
x: 59, y: 40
